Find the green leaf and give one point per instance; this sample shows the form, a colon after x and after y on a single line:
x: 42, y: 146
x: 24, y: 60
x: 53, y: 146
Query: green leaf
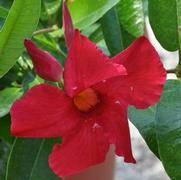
x: 168, y: 123
x: 7, y: 97
x: 4, y: 152
x: 10, y: 77
x: 112, y: 32
x: 97, y: 35
x: 164, y: 16
x: 91, y: 29
x: 28, y: 160
x: 6, y: 4
x: 131, y: 15
x: 21, y: 22
x: 144, y: 120
x: 115, y: 35
x: 5, y: 129
x: 127, y: 38
x: 86, y: 12
x: 3, y: 12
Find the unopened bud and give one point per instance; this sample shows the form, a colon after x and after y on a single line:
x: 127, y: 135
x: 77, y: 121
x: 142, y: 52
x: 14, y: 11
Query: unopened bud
x: 45, y: 65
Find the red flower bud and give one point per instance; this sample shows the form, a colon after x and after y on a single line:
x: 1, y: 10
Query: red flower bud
x: 46, y: 66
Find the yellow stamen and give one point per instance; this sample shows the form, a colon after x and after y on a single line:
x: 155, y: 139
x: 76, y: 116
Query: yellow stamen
x: 86, y: 100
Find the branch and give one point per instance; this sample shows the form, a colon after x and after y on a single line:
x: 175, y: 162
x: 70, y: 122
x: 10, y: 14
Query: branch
x: 45, y: 30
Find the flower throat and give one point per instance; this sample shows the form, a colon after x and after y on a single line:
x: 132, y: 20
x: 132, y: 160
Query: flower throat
x: 86, y: 100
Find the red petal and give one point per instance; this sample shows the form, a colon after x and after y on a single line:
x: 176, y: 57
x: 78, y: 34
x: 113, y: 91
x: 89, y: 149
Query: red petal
x: 87, y: 65
x: 143, y: 85
x: 76, y: 153
x: 44, y: 111
x: 46, y: 66
x: 67, y: 25
x: 115, y: 122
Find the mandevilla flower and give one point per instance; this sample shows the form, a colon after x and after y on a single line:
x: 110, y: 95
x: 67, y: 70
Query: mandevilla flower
x: 91, y: 112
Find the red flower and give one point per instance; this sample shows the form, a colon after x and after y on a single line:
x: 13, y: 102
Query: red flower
x: 91, y: 113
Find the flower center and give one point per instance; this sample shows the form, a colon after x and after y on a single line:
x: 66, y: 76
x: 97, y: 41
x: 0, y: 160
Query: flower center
x: 86, y: 100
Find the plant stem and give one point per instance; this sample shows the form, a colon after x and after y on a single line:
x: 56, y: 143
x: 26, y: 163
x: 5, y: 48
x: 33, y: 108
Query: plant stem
x: 45, y: 30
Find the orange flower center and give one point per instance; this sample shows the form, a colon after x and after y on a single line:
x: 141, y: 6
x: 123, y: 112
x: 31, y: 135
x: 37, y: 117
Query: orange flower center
x: 86, y: 100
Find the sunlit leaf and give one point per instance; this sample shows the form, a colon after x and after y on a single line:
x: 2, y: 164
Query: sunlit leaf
x: 131, y: 15
x: 86, y: 12
x: 20, y: 23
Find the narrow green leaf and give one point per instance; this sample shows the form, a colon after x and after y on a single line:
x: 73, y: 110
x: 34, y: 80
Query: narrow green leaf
x: 131, y: 15
x: 168, y: 125
x: 164, y: 16
x: 7, y: 97
x: 144, y: 120
x: 3, y: 12
x: 21, y: 22
x: 86, y: 12
x: 112, y: 32
x: 28, y: 160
